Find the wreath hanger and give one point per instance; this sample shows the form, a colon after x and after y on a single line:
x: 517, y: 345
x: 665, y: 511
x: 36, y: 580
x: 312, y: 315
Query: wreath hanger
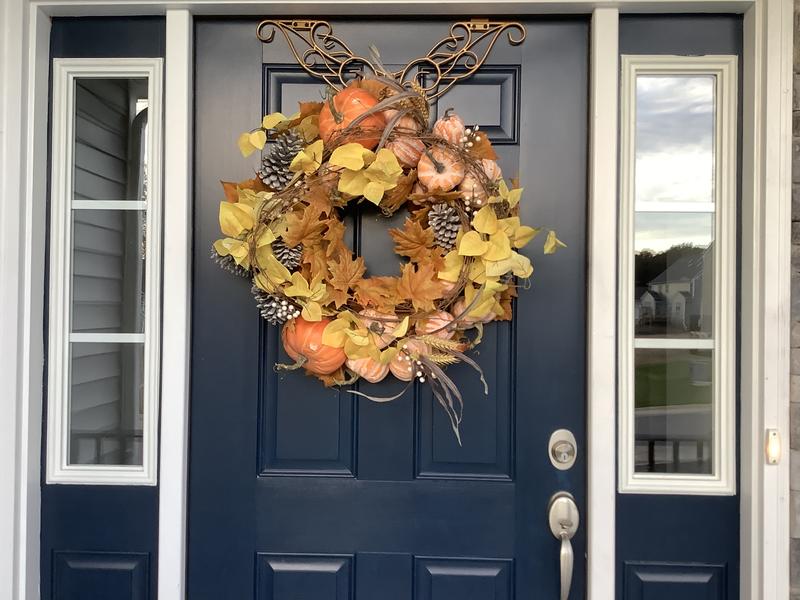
x: 452, y: 59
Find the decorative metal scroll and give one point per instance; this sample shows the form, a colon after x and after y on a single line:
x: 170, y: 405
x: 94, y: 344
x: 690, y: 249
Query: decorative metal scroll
x: 452, y: 59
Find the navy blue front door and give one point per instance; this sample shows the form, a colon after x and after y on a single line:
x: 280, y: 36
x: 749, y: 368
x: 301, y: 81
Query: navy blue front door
x: 303, y: 493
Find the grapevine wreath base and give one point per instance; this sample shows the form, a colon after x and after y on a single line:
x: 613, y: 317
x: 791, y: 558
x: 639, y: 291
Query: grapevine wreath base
x: 371, y: 142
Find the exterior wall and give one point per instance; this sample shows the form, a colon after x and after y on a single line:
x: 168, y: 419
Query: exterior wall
x: 795, y: 337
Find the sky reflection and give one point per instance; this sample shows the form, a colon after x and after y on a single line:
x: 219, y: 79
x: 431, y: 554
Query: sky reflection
x: 674, y: 139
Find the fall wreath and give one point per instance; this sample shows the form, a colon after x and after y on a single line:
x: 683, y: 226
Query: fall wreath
x: 371, y: 142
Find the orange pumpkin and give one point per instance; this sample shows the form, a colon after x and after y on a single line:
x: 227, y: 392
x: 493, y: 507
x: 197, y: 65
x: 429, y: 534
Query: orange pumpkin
x: 406, y: 123
x: 435, y: 325
x: 450, y: 127
x: 440, y: 170
x: 341, y: 109
x: 302, y: 341
x: 472, y: 191
x: 403, y: 366
x: 408, y: 150
x: 380, y: 326
x: 368, y: 368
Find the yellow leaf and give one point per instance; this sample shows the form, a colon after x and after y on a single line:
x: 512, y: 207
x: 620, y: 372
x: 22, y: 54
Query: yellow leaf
x: 373, y: 192
x: 309, y: 127
x: 299, y: 287
x: 477, y: 272
x: 238, y: 249
x: 312, y: 311
x: 252, y: 198
x: 471, y: 244
x: 514, y: 196
x: 351, y: 156
x: 453, y: 263
x: 334, y: 333
x: 388, y: 355
x: 480, y: 301
x: 235, y: 219
x: 265, y: 237
x: 287, y: 122
x: 262, y: 282
x: 308, y: 160
x: 517, y: 264
x: 485, y: 220
x: 245, y: 146
x: 401, y: 329
x: 499, y: 247
x: 525, y: 234
x: 271, y: 120
x: 552, y: 243
x: 385, y: 168
x: 258, y: 138
x: 353, y: 183
x: 273, y: 268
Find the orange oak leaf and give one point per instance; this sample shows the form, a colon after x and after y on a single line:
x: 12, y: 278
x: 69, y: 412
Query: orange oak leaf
x: 395, y: 198
x: 314, y: 256
x: 320, y: 198
x: 304, y: 227
x: 412, y: 240
x: 377, y: 292
x: 419, y: 285
x: 334, y: 235
x: 231, y: 188
x: 483, y: 148
x: 345, y: 274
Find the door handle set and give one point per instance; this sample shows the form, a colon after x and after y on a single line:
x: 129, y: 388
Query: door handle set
x: 564, y: 518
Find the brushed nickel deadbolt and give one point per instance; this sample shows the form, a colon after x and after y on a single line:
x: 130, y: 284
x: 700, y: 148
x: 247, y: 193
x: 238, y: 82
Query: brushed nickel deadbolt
x: 562, y: 449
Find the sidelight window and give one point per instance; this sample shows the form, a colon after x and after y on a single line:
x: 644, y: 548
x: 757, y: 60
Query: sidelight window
x: 105, y: 264
x: 677, y: 300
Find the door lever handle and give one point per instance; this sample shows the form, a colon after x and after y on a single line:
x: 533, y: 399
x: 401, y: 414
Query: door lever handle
x: 563, y: 518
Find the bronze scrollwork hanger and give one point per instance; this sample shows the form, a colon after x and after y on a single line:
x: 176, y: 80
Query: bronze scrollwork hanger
x: 454, y: 58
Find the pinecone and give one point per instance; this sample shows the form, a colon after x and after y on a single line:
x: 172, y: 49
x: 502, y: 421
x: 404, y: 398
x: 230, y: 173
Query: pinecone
x: 274, y: 170
x: 274, y: 309
x: 288, y: 257
x: 229, y: 264
x: 446, y: 224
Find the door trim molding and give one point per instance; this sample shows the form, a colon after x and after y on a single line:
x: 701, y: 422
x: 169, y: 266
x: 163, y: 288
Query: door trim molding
x: 601, y: 326
x: 765, y: 307
x: 178, y: 159
x: 766, y: 296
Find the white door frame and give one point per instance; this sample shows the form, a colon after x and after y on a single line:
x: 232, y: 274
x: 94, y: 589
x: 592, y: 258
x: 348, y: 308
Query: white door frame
x: 766, y: 212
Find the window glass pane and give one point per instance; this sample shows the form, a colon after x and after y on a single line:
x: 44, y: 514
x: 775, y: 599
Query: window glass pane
x: 110, y: 149
x: 674, y: 275
x: 674, y: 139
x: 108, y: 271
x: 673, y: 414
x: 106, y: 404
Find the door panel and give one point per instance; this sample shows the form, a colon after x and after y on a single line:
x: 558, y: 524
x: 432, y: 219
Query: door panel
x: 298, y: 491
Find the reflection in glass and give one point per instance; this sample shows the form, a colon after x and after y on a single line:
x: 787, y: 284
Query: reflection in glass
x: 110, y: 153
x: 673, y: 415
x: 674, y: 275
x: 106, y: 404
x: 674, y: 139
x: 108, y: 270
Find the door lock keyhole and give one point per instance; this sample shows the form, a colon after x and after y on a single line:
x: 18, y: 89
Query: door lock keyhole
x: 563, y: 452
x: 563, y: 449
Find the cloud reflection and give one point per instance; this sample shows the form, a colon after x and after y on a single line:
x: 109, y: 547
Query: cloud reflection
x: 661, y: 231
x: 674, y: 139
